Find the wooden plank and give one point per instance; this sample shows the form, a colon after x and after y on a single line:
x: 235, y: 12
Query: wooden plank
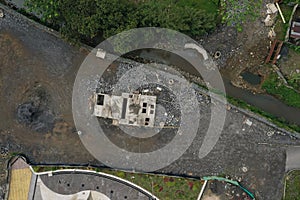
x: 271, y: 52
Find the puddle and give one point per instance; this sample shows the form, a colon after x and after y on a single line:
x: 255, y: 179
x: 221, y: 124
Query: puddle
x: 251, y: 78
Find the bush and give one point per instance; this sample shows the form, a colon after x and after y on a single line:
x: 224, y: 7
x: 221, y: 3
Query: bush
x: 87, y: 19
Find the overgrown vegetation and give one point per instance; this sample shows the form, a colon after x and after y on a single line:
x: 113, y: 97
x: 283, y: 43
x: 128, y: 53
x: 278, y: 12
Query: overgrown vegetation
x: 237, y: 12
x: 294, y: 47
x: 274, y: 86
x: 280, y: 27
x: 163, y: 187
x: 90, y: 19
x: 292, y: 191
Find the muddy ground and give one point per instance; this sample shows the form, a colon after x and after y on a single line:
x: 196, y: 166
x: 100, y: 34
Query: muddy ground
x: 37, y: 72
x: 247, y: 50
x: 241, y: 51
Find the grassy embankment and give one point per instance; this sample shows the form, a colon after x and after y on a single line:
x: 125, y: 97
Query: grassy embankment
x: 292, y: 190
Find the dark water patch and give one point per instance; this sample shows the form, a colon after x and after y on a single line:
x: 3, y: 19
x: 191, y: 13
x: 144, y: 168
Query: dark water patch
x: 151, y: 55
x: 251, y: 78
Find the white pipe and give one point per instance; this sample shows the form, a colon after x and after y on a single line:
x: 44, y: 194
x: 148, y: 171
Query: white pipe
x: 282, y: 17
x: 202, y: 190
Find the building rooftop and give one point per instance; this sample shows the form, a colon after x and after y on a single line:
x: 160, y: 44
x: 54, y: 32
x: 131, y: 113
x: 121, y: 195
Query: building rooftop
x: 72, y: 184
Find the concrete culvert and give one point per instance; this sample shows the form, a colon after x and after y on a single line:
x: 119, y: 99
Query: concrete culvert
x: 217, y: 54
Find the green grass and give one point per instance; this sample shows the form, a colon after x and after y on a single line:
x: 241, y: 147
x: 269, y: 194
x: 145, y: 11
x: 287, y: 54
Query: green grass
x: 280, y: 27
x: 163, y: 187
x: 294, y: 47
x: 274, y: 86
x: 293, y: 186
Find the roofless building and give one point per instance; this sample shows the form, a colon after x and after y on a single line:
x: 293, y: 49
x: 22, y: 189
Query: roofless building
x: 128, y: 109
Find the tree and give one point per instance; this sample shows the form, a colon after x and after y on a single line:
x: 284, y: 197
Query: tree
x: 85, y: 19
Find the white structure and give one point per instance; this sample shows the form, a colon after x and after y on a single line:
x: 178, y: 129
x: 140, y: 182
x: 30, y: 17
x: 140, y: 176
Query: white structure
x: 269, y: 21
x: 248, y: 122
x: 271, y: 8
x: 128, y: 109
x: 197, y: 48
x: 100, y: 53
x: 1, y: 13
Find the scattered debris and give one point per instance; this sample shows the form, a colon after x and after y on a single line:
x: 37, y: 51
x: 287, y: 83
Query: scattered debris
x: 271, y: 8
x: 270, y: 133
x: 101, y: 53
x: 1, y: 13
x: 248, y: 122
x: 271, y: 14
x: 269, y: 21
x: 228, y: 107
x: 272, y: 34
x: 159, y: 88
x: 244, y: 169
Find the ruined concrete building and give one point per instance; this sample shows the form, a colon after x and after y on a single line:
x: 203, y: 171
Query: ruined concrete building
x: 129, y: 109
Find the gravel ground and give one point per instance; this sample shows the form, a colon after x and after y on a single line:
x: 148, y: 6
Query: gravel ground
x: 53, y: 63
x: 258, y: 148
